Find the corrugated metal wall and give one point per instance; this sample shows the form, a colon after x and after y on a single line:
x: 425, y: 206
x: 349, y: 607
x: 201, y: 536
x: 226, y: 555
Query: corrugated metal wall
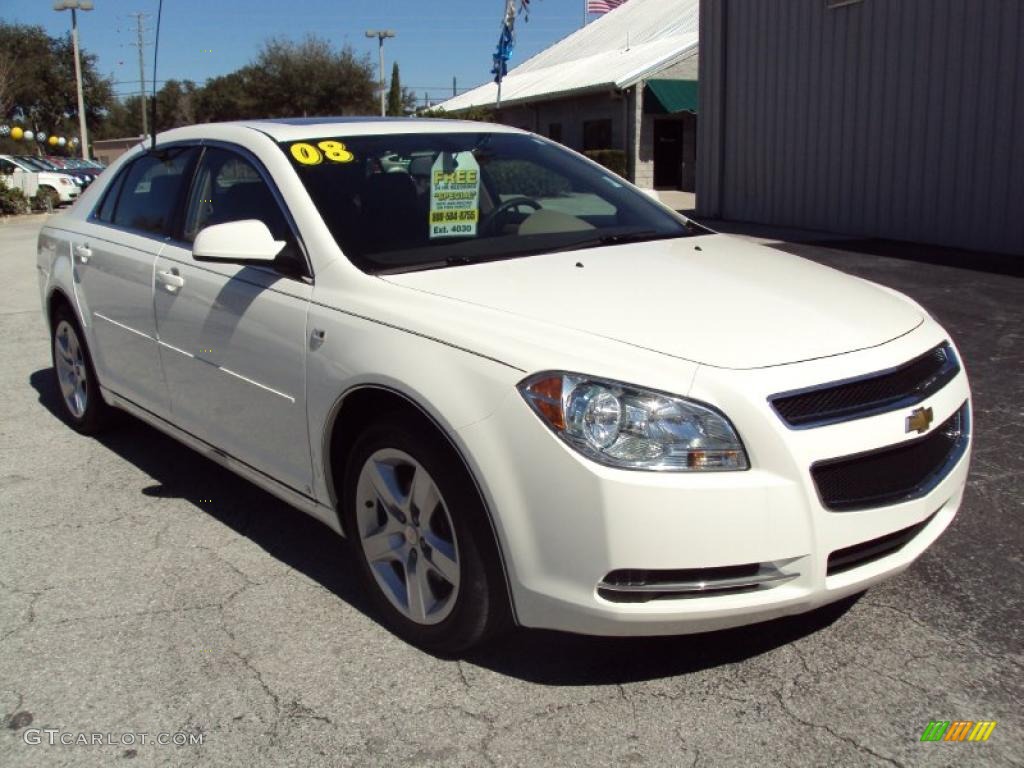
x: 901, y: 119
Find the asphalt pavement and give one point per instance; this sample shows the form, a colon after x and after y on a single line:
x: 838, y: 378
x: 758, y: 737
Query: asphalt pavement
x: 145, y: 590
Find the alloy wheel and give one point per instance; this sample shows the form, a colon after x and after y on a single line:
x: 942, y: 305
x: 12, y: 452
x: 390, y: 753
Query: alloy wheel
x: 71, y: 369
x: 407, y: 536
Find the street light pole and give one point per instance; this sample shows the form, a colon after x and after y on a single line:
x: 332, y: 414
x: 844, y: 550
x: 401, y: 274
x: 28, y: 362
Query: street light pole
x: 74, y: 6
x: 381, y: 35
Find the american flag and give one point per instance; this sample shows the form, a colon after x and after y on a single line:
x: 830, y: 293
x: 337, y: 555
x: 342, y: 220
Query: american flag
x: 602, y: 6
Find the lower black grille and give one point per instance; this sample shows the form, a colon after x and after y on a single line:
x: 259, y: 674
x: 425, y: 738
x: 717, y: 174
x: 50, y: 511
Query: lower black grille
x: 880, y: 392
x: 848, y: 558
x: 893, y: 474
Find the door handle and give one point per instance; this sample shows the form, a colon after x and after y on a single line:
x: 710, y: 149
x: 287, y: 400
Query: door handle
x: 82, y: 253
x: 171, y: 280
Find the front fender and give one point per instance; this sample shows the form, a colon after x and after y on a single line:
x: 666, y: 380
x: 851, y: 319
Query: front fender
x: 453, y: 387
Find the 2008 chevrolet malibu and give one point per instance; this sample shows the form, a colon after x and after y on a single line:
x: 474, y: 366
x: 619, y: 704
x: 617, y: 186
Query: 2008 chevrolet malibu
x: 526, y: 391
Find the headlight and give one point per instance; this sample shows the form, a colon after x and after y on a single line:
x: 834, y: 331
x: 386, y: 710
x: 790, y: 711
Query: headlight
x: 625, y: 426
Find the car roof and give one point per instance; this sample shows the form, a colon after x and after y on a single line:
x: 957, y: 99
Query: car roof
x: 297, y: 128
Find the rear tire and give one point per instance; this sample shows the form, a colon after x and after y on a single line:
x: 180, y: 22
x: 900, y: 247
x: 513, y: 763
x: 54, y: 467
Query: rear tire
x: 81, y: 403
x: 422, y: 539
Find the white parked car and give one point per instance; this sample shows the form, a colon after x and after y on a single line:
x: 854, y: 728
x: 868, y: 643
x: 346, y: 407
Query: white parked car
x: 525, y: 390
x: 55, y: 186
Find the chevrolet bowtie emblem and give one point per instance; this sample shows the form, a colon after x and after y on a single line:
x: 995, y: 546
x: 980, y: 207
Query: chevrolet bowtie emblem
x: 920, y: 420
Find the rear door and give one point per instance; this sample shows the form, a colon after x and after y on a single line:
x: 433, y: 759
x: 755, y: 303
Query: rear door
x: 233, y: 337
x: 115, y: 253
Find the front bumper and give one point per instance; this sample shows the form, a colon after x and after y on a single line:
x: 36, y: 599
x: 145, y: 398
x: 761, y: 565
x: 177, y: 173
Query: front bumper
x: 565, y: 523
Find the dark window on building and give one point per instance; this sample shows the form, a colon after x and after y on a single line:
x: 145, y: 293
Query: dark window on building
x: 152, y: 189
x: 555, y: 132
x: 597, y: 134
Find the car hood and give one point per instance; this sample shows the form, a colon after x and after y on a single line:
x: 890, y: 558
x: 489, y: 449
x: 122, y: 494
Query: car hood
x: 714, y: 300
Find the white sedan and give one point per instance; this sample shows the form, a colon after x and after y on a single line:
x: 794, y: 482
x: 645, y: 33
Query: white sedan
x: 526, y: 391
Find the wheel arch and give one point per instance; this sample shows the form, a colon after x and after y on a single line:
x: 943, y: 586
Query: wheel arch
x: 58, y: 297
x: 358, y: 407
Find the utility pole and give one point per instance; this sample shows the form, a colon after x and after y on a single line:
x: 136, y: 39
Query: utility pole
x: 455, y: 89
x: 381, y: 35
x: 140, y: 43
x: 74, y: 6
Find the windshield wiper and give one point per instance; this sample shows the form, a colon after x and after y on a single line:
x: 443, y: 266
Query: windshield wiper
x: 618, y: 239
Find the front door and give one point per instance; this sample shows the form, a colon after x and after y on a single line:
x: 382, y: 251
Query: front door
x: 233, y: 338
x: 668, y: 154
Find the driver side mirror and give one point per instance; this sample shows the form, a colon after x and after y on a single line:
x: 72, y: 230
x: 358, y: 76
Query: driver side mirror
x: 237, y: 242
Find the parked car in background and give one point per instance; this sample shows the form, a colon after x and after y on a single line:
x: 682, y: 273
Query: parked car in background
x: 78, y: 163
x: 83, y: 177
x: 33, y: 179
x: 525, y: 390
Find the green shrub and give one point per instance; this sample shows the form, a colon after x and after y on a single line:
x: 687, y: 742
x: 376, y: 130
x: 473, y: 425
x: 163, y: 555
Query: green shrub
x: 612, y: 159
x: 12, y: 200
x: 479, y: 114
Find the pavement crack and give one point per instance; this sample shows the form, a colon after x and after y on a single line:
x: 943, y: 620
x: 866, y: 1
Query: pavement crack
x: 462, y: 673
x: 489, y: 736
x: 832, y: 732
x: 972, y: 647
x: 632, y: 704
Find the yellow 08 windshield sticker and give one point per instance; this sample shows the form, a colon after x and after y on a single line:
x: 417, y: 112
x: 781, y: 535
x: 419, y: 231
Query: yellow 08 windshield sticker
x: 454, y: 196
x: 331, y: 150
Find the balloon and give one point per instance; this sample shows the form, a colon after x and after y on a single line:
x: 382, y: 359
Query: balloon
x: 5, y: 130
x: 17, y: 133
x: 62, y: 141
x: 40, y: 137
x: 29, y: 135
x: 52, y: 141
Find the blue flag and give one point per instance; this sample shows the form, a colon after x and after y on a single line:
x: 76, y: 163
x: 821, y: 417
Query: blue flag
x: 507, y: 40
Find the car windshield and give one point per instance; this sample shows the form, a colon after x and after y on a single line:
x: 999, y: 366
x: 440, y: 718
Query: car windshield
x: 406, y: 202
x: 34, y: 163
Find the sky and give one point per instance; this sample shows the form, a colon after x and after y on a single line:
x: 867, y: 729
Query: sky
x: 435, y: 41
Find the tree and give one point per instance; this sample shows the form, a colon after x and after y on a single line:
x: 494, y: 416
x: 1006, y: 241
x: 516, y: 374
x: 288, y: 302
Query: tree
x: 227, y: 97
x: 309, y: 78
x: 401, y: 101
x: 39, y: 89
x: 395, y: 94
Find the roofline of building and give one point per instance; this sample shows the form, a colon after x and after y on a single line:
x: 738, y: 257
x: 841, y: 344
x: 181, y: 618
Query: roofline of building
x: 621, y: 85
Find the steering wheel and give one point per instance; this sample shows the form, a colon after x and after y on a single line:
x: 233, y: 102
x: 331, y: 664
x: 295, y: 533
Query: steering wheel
x: 491, y: 220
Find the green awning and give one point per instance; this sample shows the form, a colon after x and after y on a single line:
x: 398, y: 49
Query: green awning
x: 666, y: 97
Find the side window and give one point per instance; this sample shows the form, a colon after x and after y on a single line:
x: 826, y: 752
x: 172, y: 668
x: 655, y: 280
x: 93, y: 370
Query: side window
x: 597, y: 134
x: 229, y: 188
x: 151, y: 190
x: 7, y: 167
x: 106, y: 210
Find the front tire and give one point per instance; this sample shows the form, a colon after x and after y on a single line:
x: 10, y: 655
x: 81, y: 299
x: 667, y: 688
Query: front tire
x: 81, y: 402
x: 422, y: 539
x: 49, y: 197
